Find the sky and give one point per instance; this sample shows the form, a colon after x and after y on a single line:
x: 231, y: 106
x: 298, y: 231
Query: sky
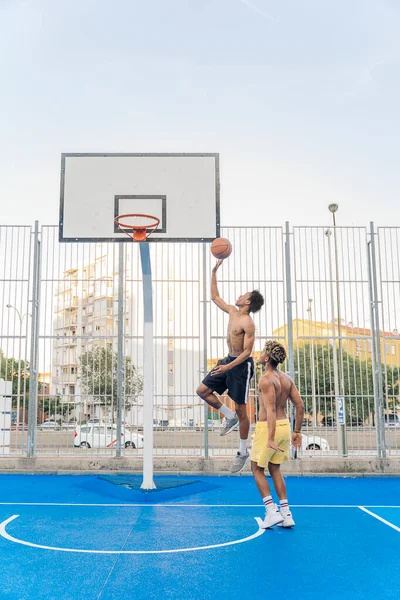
x: 300, y: 98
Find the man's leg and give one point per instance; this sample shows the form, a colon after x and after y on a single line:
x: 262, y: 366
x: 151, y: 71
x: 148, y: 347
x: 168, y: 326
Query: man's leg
x: 238, y: 381
x: 244, y: 425
x: 272, y: 516
x: 277, y: 478
x: 208, y: 396
x: 260, y: 479
x: 280, y: 488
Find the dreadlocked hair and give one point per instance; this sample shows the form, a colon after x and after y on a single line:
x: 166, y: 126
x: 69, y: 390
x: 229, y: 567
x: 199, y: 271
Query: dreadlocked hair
x: 275, y: 351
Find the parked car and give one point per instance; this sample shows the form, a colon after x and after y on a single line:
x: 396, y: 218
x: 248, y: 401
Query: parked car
x: 314, y: 442
x: 354, y: 421
x: 392, y: 420
x: 49, y: 425
x: 99, y: 435
x: 328, y: 422
x: 214, y: 424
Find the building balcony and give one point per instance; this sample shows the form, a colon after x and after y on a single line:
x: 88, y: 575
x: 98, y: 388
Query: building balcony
x: 65, y: 342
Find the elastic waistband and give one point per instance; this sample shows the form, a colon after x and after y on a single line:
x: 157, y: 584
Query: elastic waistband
x: 278, y: 422
x: 233, y: 357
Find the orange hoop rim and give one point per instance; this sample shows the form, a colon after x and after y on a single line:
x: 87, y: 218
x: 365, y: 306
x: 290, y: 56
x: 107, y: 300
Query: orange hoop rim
x: 139, y: 232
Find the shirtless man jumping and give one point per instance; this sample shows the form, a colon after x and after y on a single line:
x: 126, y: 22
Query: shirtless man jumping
x: 234, y: 372
x: 271, y: 440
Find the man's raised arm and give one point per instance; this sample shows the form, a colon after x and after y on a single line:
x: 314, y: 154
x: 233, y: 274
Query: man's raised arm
x: 215, y: 297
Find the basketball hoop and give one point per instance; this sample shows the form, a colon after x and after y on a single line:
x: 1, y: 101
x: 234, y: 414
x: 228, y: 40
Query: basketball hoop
x: 138, y: 233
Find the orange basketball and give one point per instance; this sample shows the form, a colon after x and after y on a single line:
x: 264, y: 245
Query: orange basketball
x: 221, y: 248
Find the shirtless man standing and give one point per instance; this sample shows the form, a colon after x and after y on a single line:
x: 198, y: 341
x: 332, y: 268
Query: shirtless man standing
x: 271, y: 440
x: 234, y: 372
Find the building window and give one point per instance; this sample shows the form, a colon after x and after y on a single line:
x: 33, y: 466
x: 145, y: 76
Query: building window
x: 390, y: 348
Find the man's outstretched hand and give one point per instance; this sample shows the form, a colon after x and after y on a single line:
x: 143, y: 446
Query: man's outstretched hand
x: 217, y: 266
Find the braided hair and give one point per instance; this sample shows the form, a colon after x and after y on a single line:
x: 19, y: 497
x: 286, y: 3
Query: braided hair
x: 275, y: 351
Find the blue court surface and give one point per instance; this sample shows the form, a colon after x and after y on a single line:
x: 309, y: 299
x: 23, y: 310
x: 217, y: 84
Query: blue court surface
x: 84, y: 537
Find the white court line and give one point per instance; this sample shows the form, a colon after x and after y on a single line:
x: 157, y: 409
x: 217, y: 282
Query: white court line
x: 133, y: 505
x: 380, y: 518
x: 9, y: 537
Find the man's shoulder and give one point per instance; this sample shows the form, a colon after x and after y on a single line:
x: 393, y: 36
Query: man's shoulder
x: 266, y: 378
x: 285, y: 377
x: 247, y: 320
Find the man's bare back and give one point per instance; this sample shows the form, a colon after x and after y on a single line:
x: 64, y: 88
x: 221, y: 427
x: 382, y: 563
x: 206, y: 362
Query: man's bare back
x: 283, y: 386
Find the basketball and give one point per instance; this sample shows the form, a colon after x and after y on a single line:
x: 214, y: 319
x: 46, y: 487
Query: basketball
x: 221, y: 248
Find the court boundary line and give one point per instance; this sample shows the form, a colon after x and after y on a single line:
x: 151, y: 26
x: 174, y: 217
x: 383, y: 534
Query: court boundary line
x: 3, y: 533
x: 388, y: 523
x: 142, y: 505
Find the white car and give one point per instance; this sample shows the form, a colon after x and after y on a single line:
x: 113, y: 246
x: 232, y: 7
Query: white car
x: 314, y: 442
x: 49, y: 425
x: 100, y: 435
x: 392, y: 420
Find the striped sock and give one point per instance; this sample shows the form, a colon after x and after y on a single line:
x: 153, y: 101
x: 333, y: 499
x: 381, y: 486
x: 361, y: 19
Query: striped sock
x: 284, y: 506
x: 268, y: 503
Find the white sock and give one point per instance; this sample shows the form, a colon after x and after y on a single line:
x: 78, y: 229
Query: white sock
x: 227, y: 412
x: 284, y: 506
x: 268, y: 503
x: 243, y: 446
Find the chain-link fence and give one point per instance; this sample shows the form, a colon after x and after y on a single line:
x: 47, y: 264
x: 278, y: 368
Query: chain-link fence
x: 331, y: 296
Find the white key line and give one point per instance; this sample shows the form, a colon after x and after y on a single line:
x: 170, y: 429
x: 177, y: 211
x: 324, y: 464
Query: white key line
x: 388, y: 523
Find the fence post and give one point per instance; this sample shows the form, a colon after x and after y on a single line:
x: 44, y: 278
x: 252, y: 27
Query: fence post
x: 289, y: 313
x: 33, y: 365
x: 376, y: 348
x: 120, y: 345
x: 205, y: 332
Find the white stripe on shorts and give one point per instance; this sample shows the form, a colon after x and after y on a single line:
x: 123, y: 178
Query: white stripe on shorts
x: 248, y: 381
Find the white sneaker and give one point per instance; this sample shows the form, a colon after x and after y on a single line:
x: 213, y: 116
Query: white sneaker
x: 272, y: 518
x: 287, y: 519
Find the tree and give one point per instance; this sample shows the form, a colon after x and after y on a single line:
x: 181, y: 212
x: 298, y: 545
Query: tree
x: 12, y: 369
x: 357, y: 376
x: 358, y: 382
x: 98, y: 377
x: 54, y: 408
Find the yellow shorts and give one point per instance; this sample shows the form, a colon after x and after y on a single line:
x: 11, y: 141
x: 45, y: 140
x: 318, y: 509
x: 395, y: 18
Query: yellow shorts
x: 261, y: 454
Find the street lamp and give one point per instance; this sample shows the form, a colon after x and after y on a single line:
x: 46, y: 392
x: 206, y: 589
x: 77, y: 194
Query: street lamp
x: 338, y: 365
x: 333, y: 208
x: 21, y: 318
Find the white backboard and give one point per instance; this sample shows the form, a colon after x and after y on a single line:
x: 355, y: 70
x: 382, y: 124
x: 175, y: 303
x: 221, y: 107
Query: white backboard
x: 182, y: 190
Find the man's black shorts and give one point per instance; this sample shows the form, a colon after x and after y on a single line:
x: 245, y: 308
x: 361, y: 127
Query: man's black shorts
x: 236, y: 380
